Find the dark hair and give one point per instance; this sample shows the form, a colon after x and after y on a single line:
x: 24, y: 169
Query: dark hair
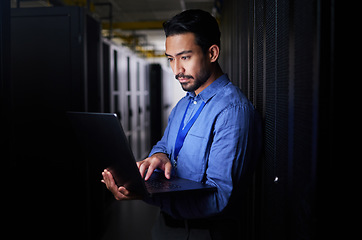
x: 199, y: 22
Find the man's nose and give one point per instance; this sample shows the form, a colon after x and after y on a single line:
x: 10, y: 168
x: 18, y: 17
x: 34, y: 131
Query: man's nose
x: 178, y: 67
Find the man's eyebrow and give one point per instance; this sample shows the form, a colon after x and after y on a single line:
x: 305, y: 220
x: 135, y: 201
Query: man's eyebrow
x: 180, y: 53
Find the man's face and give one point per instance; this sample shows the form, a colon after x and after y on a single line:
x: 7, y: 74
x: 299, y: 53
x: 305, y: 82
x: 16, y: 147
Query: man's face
x: 190, y: 66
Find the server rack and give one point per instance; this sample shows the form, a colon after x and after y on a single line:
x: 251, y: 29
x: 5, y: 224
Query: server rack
x: 55, y: 68
x: 282, y: 57
x: 61, y: 63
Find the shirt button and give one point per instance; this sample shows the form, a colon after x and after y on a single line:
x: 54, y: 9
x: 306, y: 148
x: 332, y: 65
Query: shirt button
x: 195, y: 102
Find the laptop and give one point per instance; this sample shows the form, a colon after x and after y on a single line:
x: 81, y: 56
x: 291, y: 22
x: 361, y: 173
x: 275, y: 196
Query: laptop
x: 102, y: 136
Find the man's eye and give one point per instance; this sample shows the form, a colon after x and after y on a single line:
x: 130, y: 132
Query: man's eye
x: 185, y: 57
x: 170, y: 59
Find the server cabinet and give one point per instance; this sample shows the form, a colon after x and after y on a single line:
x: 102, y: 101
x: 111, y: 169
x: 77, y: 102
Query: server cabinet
x: 94, y: 65
x: 282, y: 56
x: 106, y: 55
x: 55, y: 68
x: 126, y: 77
x: 155, y: 81
x: 137, y: 95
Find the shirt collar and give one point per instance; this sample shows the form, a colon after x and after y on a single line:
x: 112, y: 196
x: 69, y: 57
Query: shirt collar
x: 211, y: 90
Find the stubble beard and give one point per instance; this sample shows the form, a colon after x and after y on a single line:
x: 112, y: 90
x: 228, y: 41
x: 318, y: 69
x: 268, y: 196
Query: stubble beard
x: 195, y: 82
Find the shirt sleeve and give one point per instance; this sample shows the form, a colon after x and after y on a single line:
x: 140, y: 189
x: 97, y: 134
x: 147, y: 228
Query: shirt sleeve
x: 225, y: 167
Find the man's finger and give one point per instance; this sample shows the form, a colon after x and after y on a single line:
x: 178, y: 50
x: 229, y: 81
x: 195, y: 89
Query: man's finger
x: 139, y: 163
x: 127, y: 195
x: 124, y: 191
x: 108, y: 178
x: 168, y: 168
x: 143, y: 167
x: 150, y: 170
x: 105, y: 178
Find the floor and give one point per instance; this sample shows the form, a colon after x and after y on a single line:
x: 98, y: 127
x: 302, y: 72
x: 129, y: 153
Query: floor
x: 129, y: 220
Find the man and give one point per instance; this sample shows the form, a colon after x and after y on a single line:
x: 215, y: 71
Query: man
x: 213, y: 136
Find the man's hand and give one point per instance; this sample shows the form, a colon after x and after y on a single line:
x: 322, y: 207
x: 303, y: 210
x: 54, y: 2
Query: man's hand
x: 157, y: 160
x: 119, y: 193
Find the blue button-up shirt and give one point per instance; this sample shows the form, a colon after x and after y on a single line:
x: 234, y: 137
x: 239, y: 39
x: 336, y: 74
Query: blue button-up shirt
x: 220, y: 149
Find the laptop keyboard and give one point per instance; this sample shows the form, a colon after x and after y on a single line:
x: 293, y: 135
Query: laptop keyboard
x: 157, y: 184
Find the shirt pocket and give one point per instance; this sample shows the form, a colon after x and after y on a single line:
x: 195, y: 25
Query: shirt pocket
x: 192, y: 158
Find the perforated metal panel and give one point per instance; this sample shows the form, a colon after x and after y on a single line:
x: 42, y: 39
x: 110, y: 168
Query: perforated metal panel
x: 281, y: 77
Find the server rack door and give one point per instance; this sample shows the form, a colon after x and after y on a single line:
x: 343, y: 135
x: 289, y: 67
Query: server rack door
x: 48, y: 77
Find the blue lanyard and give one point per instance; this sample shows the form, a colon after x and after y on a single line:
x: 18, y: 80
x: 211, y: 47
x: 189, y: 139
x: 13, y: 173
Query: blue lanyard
x: 182, y: 132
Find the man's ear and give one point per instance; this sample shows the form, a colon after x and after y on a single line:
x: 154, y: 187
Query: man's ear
x: 214, y: 52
